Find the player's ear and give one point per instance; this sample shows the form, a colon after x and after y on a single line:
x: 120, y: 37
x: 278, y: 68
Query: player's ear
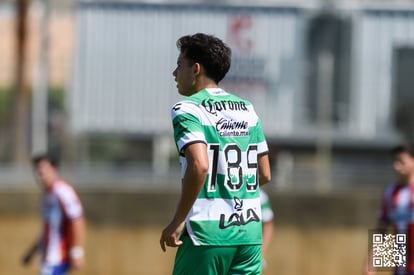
x: 197, y: 68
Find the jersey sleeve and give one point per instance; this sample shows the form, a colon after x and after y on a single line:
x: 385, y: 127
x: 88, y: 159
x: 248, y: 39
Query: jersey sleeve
x: 186, y: 125
x: 69, y: 201
x: 262, y: 147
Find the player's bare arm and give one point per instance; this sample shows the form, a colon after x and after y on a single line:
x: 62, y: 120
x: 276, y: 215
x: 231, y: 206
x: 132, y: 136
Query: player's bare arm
x: 27, y: 257
x: 264, y: 169
x: 193, y: 181
x: 77, y: 252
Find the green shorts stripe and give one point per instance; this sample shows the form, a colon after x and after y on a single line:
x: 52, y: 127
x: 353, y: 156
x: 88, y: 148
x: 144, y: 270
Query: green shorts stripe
x: 217, y: 260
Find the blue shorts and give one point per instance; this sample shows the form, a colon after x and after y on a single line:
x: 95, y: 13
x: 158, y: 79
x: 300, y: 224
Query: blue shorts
x: 62, y: 269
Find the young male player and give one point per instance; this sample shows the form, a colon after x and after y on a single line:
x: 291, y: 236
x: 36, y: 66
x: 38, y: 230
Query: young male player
x: 62, y: 239
x: 223, y: 152
x: 397, y: 209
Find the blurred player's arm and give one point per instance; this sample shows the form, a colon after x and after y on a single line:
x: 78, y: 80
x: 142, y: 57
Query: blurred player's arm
x: 193, y: 181
x: 76, y: 252
x: 33, y: 249
x: 264, y: 169
x: 268, y: 231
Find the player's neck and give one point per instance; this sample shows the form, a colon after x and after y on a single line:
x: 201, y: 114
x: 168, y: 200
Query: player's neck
x: 408, y: 180
x: 205, y: 83
x: 51, y: 182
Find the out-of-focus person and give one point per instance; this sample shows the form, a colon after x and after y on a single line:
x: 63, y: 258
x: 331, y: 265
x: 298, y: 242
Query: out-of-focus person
x: 397, y: 208
x: 61, y: 244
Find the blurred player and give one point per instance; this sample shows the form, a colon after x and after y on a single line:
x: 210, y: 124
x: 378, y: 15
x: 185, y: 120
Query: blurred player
x: 267, y: 226
x: 61, y: 242
x: 397, y: 209
x: 224, y: 157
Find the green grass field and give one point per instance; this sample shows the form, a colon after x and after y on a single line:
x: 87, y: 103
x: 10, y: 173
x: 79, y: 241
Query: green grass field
x: 127, y: 250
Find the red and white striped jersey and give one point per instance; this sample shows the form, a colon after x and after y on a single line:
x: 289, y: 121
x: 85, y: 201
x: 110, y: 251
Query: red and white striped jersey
x: 397, y: 210
x: 398, y: 206
x: 60, y: 205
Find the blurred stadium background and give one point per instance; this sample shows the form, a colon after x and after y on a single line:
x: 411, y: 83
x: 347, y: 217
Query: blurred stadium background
x: 91, y: 81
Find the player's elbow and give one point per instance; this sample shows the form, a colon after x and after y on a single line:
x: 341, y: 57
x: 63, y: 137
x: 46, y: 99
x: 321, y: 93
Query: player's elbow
x: 264, y: 169
x: 203, y: 168
x: 198, y: 168
x: 265, y: 178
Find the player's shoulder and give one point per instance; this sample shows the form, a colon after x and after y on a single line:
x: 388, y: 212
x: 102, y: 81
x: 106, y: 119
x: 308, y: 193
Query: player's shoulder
x: 190, y: 104
x: 395, y: 185
x: 182, y: 105
x: 391, y: 189
x: 62, y: 188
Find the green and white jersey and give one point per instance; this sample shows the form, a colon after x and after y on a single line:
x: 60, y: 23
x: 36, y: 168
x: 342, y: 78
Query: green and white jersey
x: 227, y: 210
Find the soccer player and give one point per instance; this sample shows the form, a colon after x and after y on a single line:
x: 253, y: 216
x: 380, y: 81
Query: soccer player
x: 217, y: 225
x: 62, y: 240
x: 397, y: 209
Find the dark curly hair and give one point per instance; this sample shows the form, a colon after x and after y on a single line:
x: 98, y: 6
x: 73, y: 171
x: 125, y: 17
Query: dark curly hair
x: 403, y: 148
x: 212, y: 53
x: 52, y: 159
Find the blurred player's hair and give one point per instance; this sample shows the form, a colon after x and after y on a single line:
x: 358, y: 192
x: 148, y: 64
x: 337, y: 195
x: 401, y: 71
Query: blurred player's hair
x: 209, y: 51
x: 403, y: 148
x: 53, y: 160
